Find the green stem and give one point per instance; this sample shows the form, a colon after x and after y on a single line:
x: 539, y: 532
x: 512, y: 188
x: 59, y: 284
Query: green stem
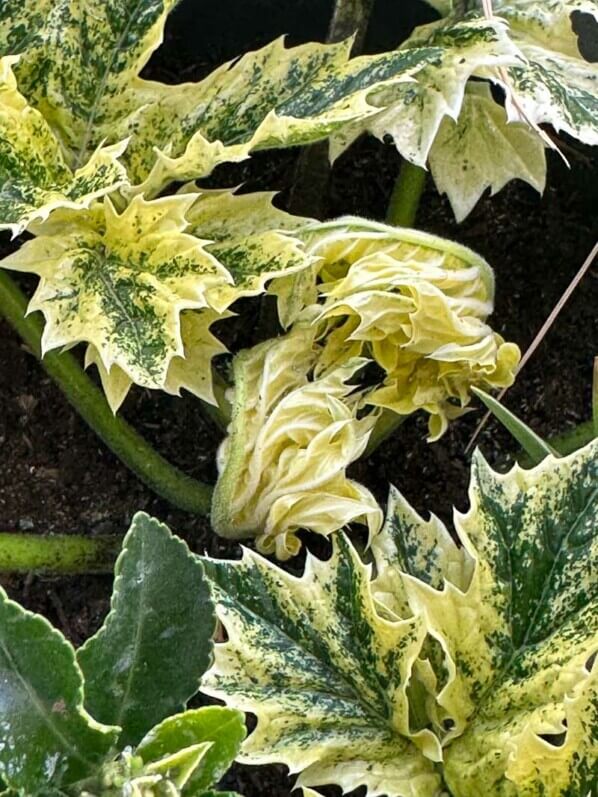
x: 387, y: 424
x: 152, y: 469
x: 406, y: 195
x: 59, y: 554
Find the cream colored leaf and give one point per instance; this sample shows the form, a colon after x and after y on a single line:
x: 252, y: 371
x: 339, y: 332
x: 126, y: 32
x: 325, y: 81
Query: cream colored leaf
x: 519, y: 638
x: 120, y: 282
x: 34, y: 176
x: 483, y: 150
x: 411, y: 113
x: 417, y: 305
x: 192, y: 371
x: 253, y: 240
x: 324, y: 674
x: 282, y: 467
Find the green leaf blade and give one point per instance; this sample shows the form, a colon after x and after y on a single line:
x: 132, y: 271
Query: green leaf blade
x: 48, y: 738
x: 147, y: 659
x: 222, y: 727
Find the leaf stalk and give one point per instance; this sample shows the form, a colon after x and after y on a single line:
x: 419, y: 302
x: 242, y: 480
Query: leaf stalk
x: 406, y: 195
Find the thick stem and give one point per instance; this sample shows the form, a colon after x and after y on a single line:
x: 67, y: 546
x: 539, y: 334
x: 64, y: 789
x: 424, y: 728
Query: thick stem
x: 406, y: 195
x: 387, y: 424
x: 159, y: 475
x: 351, y: 17
x: 60, y: 554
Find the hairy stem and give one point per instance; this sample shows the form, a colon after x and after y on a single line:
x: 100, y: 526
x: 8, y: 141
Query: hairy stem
x: 136, y: 453
x: 386, y: 425
x: 406, y: 195
x: 59, y: 554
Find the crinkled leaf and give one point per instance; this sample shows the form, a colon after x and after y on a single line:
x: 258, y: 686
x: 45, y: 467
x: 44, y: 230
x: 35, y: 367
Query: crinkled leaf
x: 224, y: 730
x: 120, y: 282
x: 192, y: 371
x: 483, y: 150
x: 283, y: 466
x: 48, y: 738
x: 147, y: 659
x: 411, y: 113
x: 417, y: 305
x: 324, y: 674
x: 252, y: 239
x: 34, y: 176
x: 519, y: 637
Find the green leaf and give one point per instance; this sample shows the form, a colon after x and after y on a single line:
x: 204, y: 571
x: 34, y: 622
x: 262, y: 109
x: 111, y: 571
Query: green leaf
x: 223, y: 728
x: 147, y: 659
x: 48, y: 739
x: 483, y: 150
x: 324, y: 674
x: 520, y: 637
x: 531, y: 443
x: 34, y: 176
x: 120, y: 282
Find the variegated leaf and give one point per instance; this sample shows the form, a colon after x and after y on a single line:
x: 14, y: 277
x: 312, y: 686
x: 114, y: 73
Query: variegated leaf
x: 557, y: 85
x: 483, y: 150
x: 34, y: 176
x: 120, y: 282
x: 78, y: 59
x: 282, y: 467
x: 323, y: 672
x: 520, y: 638
x: 192, y: 371
x: 412, y: 112
x: 253, y: 240
x: 417, y: 305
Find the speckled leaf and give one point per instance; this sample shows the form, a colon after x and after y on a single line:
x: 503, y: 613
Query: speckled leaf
x: 192, y: 371
x: 224, y: 730
x: 252, y: 239
x: 412, y: 112
x: 482, y: 150
x: 120, y: 282
x: 48, y: 739
x: 520, y: 637
x: 147, y: 659
x: 557, y: 85
x: 325, y: 675
x: 34, y: 176
x: 79, y: 57
x: 283, y: 466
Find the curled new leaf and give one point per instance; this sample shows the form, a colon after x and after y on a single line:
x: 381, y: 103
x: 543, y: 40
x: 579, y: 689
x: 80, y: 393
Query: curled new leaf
x: 282, y: 467
x: 417, y: 305
x: 502, y: 691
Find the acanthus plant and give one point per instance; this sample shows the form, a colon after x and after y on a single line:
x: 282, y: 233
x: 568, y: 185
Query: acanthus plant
x: 140, y: 272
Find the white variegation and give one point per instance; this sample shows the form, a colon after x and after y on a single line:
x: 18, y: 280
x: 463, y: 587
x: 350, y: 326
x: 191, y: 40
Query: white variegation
x: 505, y: 679
x: 482, y: 150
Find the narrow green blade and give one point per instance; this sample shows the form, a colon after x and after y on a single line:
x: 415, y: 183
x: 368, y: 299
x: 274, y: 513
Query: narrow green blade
x: 533, y: 445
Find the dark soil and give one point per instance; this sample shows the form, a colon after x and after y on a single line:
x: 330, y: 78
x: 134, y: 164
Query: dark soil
x: 55, y: 476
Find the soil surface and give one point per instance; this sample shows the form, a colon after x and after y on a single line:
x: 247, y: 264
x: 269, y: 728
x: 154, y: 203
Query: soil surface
x: 55, y: 476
